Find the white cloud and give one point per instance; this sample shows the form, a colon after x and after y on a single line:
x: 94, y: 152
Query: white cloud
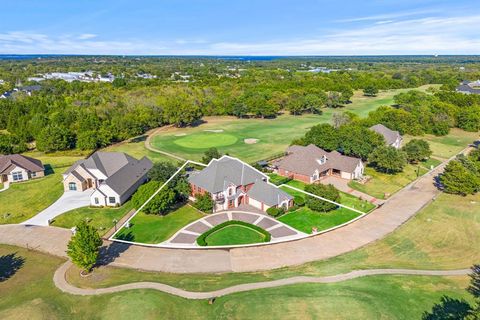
x: 86, y: 36
x: 428, y: 35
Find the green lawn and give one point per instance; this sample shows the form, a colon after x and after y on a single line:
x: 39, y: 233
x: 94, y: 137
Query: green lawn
x: 449, y: 145
x: 234, y: 234
x: 100, y: 218
x: 382, y: 183
x: 304, y: 219
x: 274, y: 134
x: 150, y: 228
x: 345, y: 198
x: 25, y: 199
x: 136, y: 148
x: 444, y: 235
x: 31, y: 294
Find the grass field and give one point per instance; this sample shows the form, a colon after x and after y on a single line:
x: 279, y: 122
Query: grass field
x: 23, y: 200
x: 304, y: 219
x: 274, y: 134
x: 444, y: 235
x: 150, y: 228
x: 100, y: 218
x: 449, y: 145
x: 382, y: 183
x: 30, y: 294
x: 233, y: 235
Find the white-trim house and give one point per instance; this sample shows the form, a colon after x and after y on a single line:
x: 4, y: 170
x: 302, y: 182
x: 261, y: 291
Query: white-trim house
x: 17, y: 168
x: 114, y: 177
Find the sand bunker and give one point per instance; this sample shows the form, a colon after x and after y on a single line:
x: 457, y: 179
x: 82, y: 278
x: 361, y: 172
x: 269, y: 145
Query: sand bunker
x: 215, y: 131
x: 180, y: 135
x: 250, y: 141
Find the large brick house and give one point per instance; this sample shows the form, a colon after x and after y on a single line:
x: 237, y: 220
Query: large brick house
x: 112, y: 176
x: 310, y: 164
x: 231, y: 183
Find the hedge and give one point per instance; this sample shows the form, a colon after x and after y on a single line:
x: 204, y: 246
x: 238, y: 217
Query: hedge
x: 201, y: 240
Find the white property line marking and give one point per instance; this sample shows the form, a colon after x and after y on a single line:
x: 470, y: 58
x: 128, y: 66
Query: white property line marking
x: 154, y: 194
x: 321, y: 198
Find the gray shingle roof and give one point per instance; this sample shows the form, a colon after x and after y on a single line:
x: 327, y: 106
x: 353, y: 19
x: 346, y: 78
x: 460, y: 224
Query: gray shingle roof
x: 107, y: 162
x: 28, y: 163
x: 267, y: 193
x: 305, y: 160
x: 221, y: 172
x: 469, y: 87
x: 390, y: 135
x: 126, y: 177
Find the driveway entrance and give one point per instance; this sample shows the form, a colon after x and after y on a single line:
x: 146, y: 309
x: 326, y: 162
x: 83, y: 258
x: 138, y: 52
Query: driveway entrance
x: 68, y: 201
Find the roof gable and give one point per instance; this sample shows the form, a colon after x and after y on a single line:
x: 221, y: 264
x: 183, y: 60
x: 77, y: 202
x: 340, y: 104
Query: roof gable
x: 27, y: 163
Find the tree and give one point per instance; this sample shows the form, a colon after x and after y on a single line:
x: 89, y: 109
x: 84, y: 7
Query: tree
x: 469, y: 119
x: 204, y: 202
x: 314, y: 102
x: 160, y: 204
x: 358, y: 141
x: 340, y: 119
x: 457, y: 179
x: 210, y: 154
x: 162, y: 171
x: 55, y: 138
x: 417, y: 150
x: 84, y: 246
x: 333, y: 100
x: 326, y: 191
x: 323, y: 136
x: 370, y: 91
x: 388, y: 159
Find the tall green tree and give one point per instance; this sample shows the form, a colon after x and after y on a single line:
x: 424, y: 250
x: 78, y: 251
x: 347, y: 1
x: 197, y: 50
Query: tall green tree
x: 84, y: 246
x: 457, y: 179
x: 417, y: 150
x: 325, y: 191
x: 388, y: 159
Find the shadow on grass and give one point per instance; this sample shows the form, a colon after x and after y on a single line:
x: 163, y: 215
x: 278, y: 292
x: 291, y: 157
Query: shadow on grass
x: 109, y: 253
x: 9, y: 265
x: 139, y: 139
x: 448, y: 308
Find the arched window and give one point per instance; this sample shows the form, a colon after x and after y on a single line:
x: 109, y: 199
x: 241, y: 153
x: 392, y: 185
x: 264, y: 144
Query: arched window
x: 72, y: 186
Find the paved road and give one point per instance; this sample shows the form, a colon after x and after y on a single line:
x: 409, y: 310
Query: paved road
x: 68, y: 201
x: 62, y: 284
x: 397, y: 210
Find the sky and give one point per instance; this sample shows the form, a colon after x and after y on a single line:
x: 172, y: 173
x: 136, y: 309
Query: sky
x: 242, y: 27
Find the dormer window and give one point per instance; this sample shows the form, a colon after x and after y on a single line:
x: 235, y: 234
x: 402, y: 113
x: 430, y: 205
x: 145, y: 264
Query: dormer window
x: 322, y: 160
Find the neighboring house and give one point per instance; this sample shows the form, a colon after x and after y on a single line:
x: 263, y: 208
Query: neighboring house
x: 392, y: 138
x: 231, y: 182
x: 16, y: 168
x: 310, y: 164
x: 468, y: 87
x: 114, y: 176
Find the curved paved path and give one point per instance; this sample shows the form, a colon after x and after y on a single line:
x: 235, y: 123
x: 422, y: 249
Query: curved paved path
x: 397, y: 210
x: 148, y: 145
x: 62, y: 284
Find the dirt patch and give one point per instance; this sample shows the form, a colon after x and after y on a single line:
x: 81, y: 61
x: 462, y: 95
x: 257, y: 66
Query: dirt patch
x: 250, y: 141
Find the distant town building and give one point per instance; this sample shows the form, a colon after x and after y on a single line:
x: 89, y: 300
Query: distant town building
x: 87, y: 76
x: 468, y: 87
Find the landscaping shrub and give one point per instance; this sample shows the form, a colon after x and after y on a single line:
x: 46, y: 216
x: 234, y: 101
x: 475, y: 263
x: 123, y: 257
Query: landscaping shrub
x: 274, y: 211
x: 326, y: 191
x: 201, y: 240
x: 299, y: 201
x: 204, y: 203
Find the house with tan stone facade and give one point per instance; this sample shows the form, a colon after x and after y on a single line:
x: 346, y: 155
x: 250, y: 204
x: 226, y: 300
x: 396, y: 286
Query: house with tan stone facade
x: 17, y: 168
x: 112, y: 176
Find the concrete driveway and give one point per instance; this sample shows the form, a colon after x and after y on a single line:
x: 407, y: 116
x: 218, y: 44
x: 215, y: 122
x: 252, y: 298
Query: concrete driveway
x: 68, y: 201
